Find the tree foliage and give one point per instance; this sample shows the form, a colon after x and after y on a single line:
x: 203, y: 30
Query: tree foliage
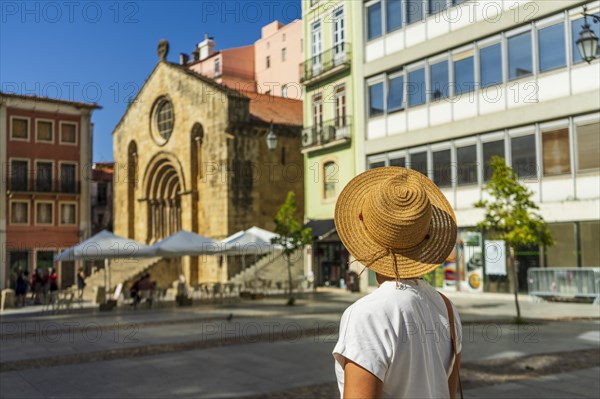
x: 510, y: 214
x: 290, y: 234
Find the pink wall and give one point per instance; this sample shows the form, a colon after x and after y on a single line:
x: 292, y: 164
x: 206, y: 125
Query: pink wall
x: 237, y: 68
x: 274, y: 38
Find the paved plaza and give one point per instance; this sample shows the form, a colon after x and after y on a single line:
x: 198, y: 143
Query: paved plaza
x: 262, y: 349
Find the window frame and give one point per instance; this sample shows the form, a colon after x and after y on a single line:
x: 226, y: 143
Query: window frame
x: 29, y: 174
x: 60, y: 140
x: 324, y: 197
x: 35, y: 206
x: 52, y: 172
x: 463, y: 143
x: 547, y: 23
x: 583, y: 120
x: 457, y: 55
x: 413, y: 68
x: 52, y: 125
x: 483, y: 44
x: 10, y: 209
x: 371, y: 82
x: 28, y: 119
x: 529, y: 28
x: 75, y: 177
x: 75, y: 213
x: 366, y: 6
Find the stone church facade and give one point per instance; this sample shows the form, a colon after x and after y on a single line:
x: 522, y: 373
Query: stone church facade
x: 192, y: 154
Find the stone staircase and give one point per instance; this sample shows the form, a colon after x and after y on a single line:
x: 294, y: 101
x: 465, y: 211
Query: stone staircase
x: 121, y: 271
x: 272, y: 267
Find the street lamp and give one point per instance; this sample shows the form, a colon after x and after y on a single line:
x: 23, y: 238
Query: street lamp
x: 271, y: 138
x: 587, y: 44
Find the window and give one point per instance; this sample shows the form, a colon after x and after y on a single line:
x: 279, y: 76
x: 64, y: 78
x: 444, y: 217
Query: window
x: 165, y: 119
x: 436, y: 6
x: 466, y: 159
x: 339, y: 33
x: 19, y: 129
x: 19, y: 171
x: 340, y: 106
x: 442, y: 172
x: 588, y: 146
x: 395, y: 93
x: 318, y: 111
x: 393, y: 15
x: 19, y: 261
x: 67, y: 178
x: 576, y: 27
x: 283, y: 37
x: 414, y: 10
x: 68, y: 133
x: 44, y: 131
x: 44, y: 213
x: 491, y: 149
x: 401, y: 161
x: 19, y: 212
x: 376, y: 164
x: 376, y: 104
x: 284, y: 91
x: 43, y: 176
x: 416, y: 87
x: 67, y: 214
x: 439, y: 82
x: 519, y: 56
x: 464, y: 72
x: 418, y: 162
x: 589, y: 234
x: 564, y: 251
x: 283, y: 54
x: 217, y: 66
x: 317, y: 45
x: 556, y: 154
x: 490, y: 65
x: 102, y: 195
x: 268, y: 61
x: 330, y: 178
x: 524, y: 160
x: 374, y: 24
x: 551, y: 47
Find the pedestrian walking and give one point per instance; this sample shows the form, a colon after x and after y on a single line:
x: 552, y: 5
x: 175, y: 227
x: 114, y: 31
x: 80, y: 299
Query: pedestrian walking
x: 21, y: 287
x: 80, y: 283
x: 38, y: 284
x: 52, y: 286
x: 403, y: 339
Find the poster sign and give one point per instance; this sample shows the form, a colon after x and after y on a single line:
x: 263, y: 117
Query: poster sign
x: 495, y: 257
x: 473, y: 260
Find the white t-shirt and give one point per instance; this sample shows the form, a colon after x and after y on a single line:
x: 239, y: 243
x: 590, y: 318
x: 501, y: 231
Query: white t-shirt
x: 402, y: 337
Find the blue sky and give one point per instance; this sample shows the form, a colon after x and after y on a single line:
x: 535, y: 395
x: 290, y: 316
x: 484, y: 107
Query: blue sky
x: 102, y: 51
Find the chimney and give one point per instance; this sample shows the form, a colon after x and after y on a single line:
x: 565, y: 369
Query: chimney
x: 196, y: 55
x: 183, y: 58
x: 206, y: 47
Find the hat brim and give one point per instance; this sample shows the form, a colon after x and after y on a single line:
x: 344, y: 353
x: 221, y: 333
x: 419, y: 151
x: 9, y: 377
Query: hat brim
x: 413, y: 262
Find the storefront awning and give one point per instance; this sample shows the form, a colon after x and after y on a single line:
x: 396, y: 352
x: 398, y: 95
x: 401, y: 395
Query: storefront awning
x: 321, y: 229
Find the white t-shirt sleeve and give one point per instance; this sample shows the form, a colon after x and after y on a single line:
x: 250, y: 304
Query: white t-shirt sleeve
x: 364, y: 341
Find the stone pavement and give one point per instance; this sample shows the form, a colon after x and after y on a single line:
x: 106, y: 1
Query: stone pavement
x: 264, y: 350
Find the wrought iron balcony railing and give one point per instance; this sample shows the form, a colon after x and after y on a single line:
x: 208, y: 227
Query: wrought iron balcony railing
x: 41, y: 185
x: 331, y: 132
x: 319, y: 65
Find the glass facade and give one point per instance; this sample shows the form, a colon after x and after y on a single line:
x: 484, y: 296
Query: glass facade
x: 393, y: 13
x: 551, y: 48
x: 374, y: 28
x: 439, y: 83
x: 490, y: 65
x: 416, y: 87
x: 376, y: 99
x: 395, y: 93
x: 520, y: 62
x: 464, y: 75
x: 491, y: 149
x: 442, y: 171
x: 466, y: 159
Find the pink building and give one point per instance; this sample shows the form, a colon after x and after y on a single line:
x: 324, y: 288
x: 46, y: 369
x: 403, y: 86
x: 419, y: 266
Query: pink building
x: 269, y: 66
x: 277, y: 55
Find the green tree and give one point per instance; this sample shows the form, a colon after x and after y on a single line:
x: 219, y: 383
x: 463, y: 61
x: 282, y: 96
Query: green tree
x: 512, y: 216
x: 290, y: 235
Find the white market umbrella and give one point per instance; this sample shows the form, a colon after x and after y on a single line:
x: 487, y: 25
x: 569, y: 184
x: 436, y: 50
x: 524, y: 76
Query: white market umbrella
x: 255, y: 241
x: 106, y: 245
x: 185, y: 243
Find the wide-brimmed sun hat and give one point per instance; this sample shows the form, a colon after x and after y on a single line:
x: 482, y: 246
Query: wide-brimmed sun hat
x: 396, y: 222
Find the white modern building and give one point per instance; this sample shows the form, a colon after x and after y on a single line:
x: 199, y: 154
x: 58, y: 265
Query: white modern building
x: 447, y: 84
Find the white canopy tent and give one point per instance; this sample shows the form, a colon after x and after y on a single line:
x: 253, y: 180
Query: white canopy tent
x: 106, y: 245
x: 254, y: 241
x: 186, y: 243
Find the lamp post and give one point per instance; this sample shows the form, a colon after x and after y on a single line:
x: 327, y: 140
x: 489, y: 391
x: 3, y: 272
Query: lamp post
x: 587, y: 44
x: 271, y: 138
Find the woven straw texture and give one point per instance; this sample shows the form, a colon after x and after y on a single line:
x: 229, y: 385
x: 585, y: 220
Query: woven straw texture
x: 396, y: 212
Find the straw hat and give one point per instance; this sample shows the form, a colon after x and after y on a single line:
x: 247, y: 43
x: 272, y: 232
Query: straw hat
x: 395, y: 221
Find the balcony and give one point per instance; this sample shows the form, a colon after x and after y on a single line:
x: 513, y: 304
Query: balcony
x: 54, y: 186
x: 326, y: 64
x: 332, y: 133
